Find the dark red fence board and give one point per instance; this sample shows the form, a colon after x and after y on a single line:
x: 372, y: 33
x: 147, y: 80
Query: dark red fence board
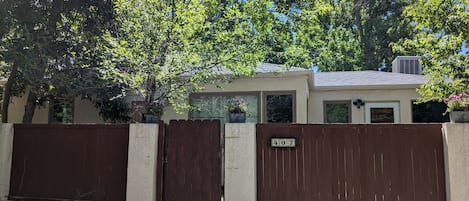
x: 351, y: 162
x: 193, y: 170
x: 65, y: 161
x: 160, y: 160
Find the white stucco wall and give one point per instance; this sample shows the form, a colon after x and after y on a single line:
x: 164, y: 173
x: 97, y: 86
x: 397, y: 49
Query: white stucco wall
x: 402, y: 96
x: 142, y: 164
x: 456, y: 153
x: 6, y: 149
x: 16, y: 111
x: 296, y: 83
x: 84, y: 112
x: 308, y: 102
x: 240, y: 162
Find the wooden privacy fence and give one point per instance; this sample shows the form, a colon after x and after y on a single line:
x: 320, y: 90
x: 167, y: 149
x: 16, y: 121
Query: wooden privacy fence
x: 351, y: 162
x: 52, y: 162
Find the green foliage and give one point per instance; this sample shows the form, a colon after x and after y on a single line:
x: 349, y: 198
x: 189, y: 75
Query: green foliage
x: 164, y: 50
x: 112, y: 106
x: 443, y: 27
x: 457, y: 102
x: 337, y: 35
x: 237, y: 105
x: 54, y: 45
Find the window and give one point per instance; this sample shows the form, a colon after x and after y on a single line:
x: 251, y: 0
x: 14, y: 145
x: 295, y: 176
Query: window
x: 429, y: 112
x: 337, y: 112
x: 61, y: 111
x: 386, y: 112
x: 214, y: 106
x: 279, y: 107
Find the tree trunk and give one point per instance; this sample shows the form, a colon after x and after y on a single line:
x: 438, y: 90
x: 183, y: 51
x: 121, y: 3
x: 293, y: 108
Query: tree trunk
x: 30, y: 107
x: 7, y: 92
x: 31, y: 102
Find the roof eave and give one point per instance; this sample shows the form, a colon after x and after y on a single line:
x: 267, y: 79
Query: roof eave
x: 308, y: 74
x: 367, y: 87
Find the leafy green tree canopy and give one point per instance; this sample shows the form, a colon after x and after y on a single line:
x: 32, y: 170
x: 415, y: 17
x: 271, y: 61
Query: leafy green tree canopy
x: 165, y: 49
x: 443, y: 29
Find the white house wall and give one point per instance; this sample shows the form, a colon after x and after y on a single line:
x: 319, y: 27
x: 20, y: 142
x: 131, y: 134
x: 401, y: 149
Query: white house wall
x: 403, y: 96
x: 298, y: 83
x: 16, y: 111
x: 84, y: 112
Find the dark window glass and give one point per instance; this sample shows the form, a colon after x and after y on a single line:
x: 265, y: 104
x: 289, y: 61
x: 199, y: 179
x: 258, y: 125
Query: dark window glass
x: 279, y: 108
x: 382, y: 115
x: 61, y: 111
x: 337, y: 113
x: 429, y: 112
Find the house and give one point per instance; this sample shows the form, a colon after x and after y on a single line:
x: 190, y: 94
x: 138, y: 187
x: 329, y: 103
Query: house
x: 295, y: 96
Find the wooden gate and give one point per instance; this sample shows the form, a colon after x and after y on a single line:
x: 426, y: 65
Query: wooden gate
x: 192, y: 170
x: 351, y: 162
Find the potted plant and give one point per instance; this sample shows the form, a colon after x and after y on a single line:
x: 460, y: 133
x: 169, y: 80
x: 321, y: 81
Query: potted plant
x: 237, y: 108
x: 153, y: 112
x: 458, y: 107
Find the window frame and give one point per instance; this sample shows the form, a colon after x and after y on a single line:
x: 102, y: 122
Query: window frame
x: 347, y: 102
x: 192, y: 96
x: 395, y: 105
x: 264, y: 103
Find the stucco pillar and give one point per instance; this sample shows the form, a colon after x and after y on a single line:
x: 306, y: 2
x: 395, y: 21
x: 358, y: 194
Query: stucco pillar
x: 456, y: 153
x: 6, y: 150
x: 142, y: 164
x: 240, y: 162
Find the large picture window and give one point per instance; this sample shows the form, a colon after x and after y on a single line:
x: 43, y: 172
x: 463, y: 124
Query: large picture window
x: 214, y: 106
x: 279, y: 107
x: 429, y: 112
x: 337, y: 112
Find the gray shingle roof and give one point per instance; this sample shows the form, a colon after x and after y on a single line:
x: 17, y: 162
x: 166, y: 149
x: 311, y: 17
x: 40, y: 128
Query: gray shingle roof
x: 365, y: 79
x: 273, y: 68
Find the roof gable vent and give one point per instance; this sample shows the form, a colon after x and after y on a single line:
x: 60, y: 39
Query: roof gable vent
x: 407, y: 65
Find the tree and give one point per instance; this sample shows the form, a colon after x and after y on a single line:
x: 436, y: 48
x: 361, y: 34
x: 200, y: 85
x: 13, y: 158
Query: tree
x: 50, y: 48
x: 443, y: 29
x: 338, y: 34
x: 165, y: 49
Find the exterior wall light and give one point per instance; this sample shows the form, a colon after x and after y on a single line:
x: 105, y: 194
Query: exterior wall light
x: 358, y: 103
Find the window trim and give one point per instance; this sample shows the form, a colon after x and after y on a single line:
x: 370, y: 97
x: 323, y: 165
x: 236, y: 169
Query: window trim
x: 264, y: 103
x: 347, y: 102
x: 395, y: 105
x: 192, y: 96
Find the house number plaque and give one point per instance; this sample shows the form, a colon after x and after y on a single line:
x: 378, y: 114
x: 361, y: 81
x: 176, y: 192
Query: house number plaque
x: 283, y: 142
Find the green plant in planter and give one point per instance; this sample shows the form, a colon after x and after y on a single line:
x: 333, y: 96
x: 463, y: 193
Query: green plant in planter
x: 237, y: 105
x: 156, y: 109
x: 457, y: 102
